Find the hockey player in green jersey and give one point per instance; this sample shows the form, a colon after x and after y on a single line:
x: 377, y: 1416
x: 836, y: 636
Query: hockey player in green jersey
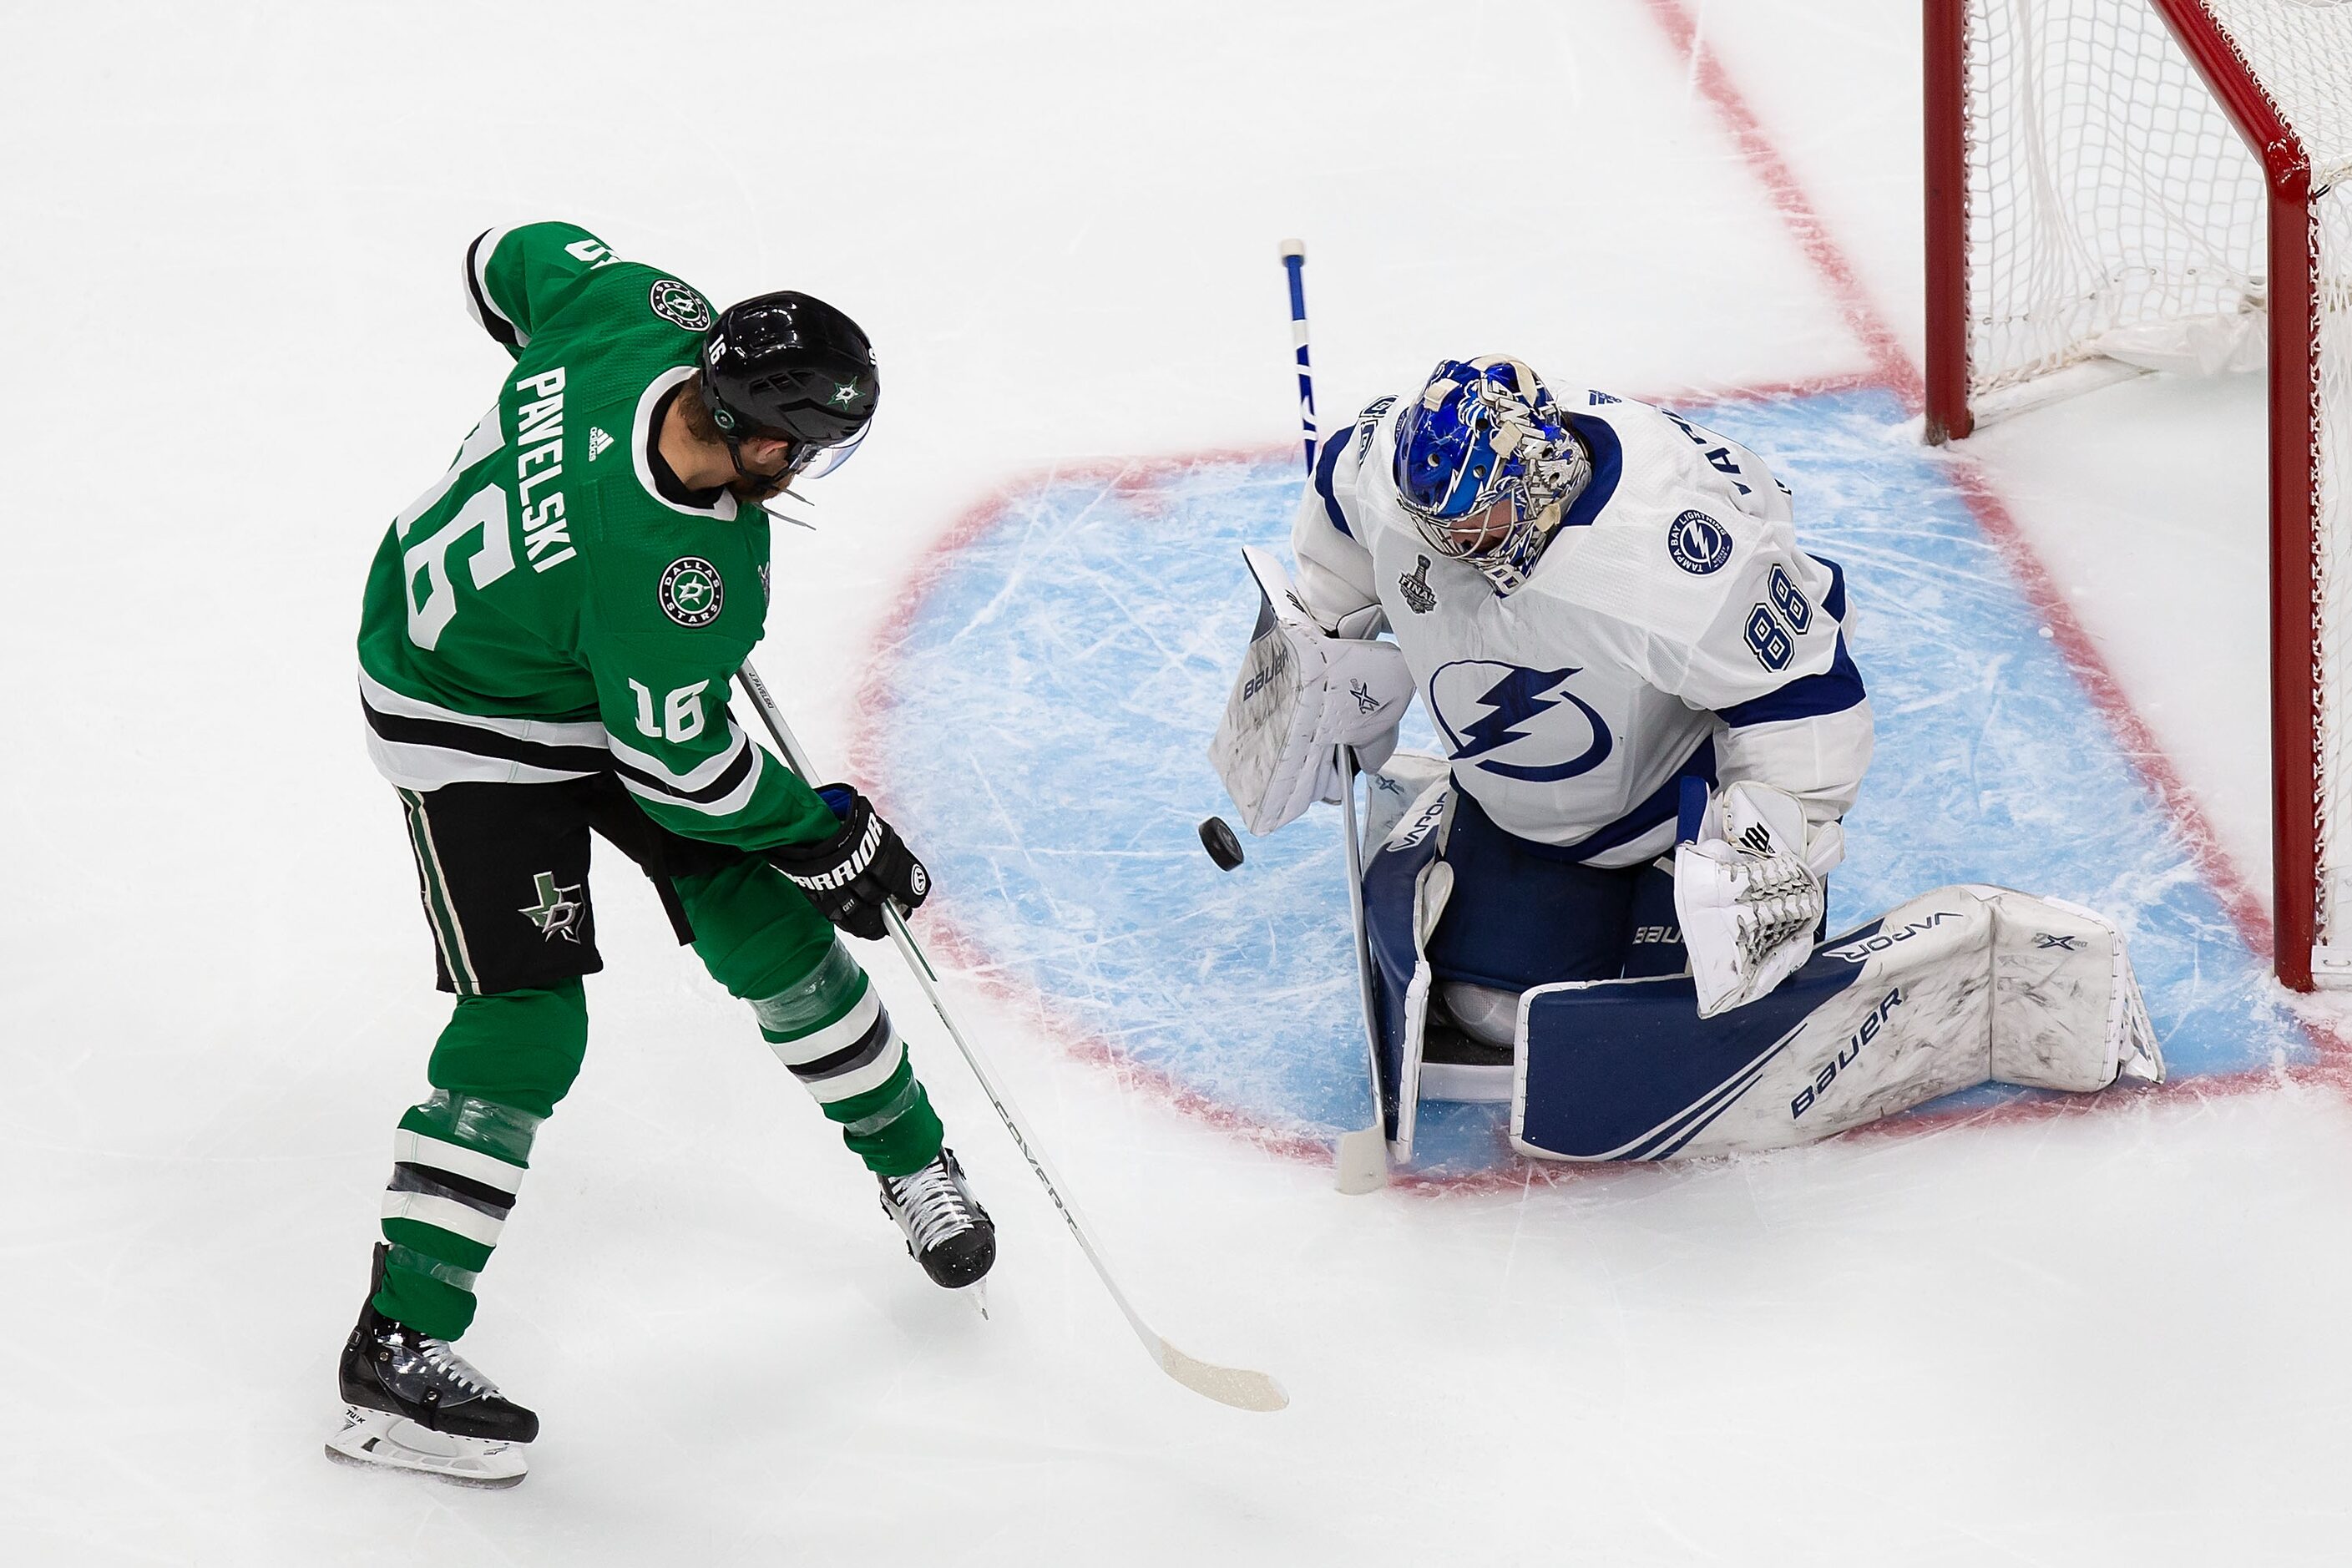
x: 545, y: 651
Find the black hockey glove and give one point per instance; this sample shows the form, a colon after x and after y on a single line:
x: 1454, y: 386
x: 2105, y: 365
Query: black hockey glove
x: 847, y: 876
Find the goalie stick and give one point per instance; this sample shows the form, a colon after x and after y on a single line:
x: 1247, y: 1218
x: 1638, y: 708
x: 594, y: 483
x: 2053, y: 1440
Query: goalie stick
x: 1360, y: 1158
x: 1237, y: 1386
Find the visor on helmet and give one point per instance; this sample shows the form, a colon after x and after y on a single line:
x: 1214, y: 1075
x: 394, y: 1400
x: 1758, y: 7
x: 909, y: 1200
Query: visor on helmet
x: 810, y: 461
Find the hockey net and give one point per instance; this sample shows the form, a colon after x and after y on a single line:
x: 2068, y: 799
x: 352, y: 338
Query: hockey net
x: 2120, y: 186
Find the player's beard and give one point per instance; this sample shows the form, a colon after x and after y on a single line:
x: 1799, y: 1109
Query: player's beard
x: 754, y: 491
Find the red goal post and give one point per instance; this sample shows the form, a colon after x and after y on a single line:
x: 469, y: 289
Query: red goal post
x: 2121, y: 184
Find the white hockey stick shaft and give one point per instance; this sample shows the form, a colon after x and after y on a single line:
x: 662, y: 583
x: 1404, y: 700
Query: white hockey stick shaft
x: 1236, y: 1387
x: 1360, y: 1158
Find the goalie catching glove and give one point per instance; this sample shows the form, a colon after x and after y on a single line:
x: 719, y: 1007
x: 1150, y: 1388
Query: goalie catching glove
x: 849, y: 874
x: 1749, y: 893
x: 1302, y: 693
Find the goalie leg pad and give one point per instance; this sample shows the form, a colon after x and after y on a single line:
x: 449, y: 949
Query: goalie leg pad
x: 1405, y: 891
x: 1951, y: 990
x: 2067, y: 1012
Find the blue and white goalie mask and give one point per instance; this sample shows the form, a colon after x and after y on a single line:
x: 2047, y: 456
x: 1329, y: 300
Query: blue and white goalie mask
x: 1486, y: 465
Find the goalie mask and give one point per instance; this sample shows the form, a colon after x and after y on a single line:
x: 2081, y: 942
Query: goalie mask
x: 1486, y: 464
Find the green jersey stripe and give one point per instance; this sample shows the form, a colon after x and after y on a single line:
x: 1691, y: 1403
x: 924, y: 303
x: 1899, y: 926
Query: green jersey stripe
x: 452, y: 937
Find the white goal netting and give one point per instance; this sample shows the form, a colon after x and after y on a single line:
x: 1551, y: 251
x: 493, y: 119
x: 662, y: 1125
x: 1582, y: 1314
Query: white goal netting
x: 2115, y: 219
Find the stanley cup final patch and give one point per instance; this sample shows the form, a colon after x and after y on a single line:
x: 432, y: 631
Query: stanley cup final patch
x: 691, y: 591
x: 1414, y: 585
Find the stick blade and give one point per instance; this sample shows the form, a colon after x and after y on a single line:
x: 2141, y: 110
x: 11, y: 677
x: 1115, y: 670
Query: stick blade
x: 1361, y: 1161
x: 1234, y: 1385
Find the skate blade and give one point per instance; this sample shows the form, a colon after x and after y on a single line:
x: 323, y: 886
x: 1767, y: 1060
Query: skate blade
x: 978, y: 1291
x: 379, y: 1438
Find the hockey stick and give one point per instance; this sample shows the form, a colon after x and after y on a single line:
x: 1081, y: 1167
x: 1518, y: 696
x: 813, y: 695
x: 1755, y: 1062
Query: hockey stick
x: 1236, y: 1387
x: 1361, y: 1161
x: 1360, y: 1158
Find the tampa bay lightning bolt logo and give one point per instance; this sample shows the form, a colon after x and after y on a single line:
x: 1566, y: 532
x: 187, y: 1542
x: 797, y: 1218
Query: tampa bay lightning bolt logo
x: 1698, y: 543
x: 1486, y: 707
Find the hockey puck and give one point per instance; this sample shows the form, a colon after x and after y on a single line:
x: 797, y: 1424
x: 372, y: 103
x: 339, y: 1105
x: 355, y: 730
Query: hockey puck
x: 1220, y: 841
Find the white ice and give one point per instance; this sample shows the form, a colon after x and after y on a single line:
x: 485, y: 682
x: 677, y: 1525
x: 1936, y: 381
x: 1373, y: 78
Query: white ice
x: 235, y: 348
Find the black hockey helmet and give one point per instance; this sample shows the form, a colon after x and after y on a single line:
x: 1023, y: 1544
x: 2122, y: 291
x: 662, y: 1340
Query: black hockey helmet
x: 788, y: 366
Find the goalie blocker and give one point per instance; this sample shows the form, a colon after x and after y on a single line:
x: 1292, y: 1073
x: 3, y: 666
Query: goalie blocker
x: 1961, y: 986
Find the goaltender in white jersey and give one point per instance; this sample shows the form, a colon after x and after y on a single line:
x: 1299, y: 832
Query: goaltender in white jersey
x: 1628, y: 656
x: 1670, y: 625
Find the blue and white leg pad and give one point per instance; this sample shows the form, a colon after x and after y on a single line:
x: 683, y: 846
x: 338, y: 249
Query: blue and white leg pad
x: 1958, y: 987
x: 1406, y: 887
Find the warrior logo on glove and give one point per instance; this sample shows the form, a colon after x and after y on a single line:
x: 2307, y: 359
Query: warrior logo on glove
x: 850, y: 875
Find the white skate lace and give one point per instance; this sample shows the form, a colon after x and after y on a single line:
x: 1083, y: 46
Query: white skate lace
x: 443, y: 1359
x: 930, y: 1207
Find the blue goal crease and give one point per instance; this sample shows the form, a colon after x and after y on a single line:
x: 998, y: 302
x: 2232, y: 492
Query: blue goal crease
x: 1075, y: 656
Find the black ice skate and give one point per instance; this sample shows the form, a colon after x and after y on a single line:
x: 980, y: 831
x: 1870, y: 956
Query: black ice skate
x: 412, y: 1403
x: 947, y: 1231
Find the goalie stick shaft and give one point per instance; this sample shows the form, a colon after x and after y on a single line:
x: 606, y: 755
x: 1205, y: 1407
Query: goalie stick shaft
x: 1293, y: 262
x: 1236, y: 1387
x: 1360, y: 1158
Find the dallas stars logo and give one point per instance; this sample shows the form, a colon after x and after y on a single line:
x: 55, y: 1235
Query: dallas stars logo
x: 691, y: 592
x: 557, y: 913
x: 678, y: 305
x: 845, y: 393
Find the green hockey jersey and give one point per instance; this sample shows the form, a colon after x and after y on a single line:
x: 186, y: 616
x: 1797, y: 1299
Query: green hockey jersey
x: 545, y: 611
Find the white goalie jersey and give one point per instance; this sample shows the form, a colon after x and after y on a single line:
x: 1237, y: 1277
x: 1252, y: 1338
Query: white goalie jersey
x: 1672, y: 628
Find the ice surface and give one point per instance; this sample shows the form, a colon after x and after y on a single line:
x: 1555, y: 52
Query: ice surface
x: 1097, y: 616
x: 235, y: 347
